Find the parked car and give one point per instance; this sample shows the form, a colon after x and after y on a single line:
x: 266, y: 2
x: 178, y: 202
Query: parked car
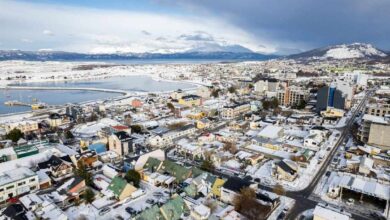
x: 117, y: 205
x: 150, y: 201
x: 130, y: 210
x: 104, y: 211
x: 350, y: 201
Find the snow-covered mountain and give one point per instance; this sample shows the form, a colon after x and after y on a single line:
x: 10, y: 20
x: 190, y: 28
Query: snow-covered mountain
x: 343, y: 51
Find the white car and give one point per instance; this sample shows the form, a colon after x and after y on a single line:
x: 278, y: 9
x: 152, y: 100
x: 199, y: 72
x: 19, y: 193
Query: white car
x: 350, y: 201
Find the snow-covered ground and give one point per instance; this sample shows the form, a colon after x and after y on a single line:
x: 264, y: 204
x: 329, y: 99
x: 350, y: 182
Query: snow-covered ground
x: 353, y: 51
x: 29, y: 71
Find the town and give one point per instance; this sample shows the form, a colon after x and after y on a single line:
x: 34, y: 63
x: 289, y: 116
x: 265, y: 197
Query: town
x: 276, y: 139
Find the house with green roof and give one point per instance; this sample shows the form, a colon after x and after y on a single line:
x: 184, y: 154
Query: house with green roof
x: 196, y: 172
x: 152, y: 164
x: 179, y: 172
x: 174, y: 208
x: 152, y: 213
x: 121, y: 188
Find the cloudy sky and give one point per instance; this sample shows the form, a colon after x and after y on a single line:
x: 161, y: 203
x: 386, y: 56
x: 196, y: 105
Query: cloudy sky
x: 266, y: 26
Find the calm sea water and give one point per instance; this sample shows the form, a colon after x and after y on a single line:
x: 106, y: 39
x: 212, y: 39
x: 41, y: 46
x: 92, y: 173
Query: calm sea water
x: 57, y: 97
x: 51, y: 97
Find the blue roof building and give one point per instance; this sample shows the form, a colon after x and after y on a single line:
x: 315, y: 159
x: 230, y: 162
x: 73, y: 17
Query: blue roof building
x: 98, y: 147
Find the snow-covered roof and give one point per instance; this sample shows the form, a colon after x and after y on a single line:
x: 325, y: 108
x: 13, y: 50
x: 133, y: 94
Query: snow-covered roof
x: 369, y: 187
x: 375, y: 119
x: 328, y: 214
x: 271, y: 131
x: 13, y: 175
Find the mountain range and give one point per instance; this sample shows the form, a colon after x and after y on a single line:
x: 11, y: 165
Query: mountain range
x: 70, y: 56
x: 343, y: 51
x: 231, y: 52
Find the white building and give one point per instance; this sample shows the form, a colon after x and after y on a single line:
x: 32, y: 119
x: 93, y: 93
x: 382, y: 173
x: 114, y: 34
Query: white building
x: 17, y: 182
x: 23, y: 126
x: 322, y: 212
x: 233, y: 111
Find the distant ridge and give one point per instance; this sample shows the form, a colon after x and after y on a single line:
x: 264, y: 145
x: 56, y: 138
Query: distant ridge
x: 343, y: 51
x: 48, y: 55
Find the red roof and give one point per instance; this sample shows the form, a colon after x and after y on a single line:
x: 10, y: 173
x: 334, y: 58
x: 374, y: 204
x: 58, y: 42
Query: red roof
x: 120, y: 127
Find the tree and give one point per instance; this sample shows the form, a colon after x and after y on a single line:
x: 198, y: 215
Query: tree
x: 231, y: 147
x: 89, y: 195
x: 68, y: 135
x: 136, y: 129
x: 81, y: 171
x: 215, y: 93
x: 246, y: 203
x: 133, y: 177
x: 301, y: 104
x: 232, y: 89
x: 250, y: 86
x: 170, y: 106
x: 14, y: 135
x: 266, y: 105
x: 279, y: 189
x: 207, y: 165
x: 274, y: 102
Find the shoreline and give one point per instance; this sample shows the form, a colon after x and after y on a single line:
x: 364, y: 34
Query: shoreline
x: 124, y: 94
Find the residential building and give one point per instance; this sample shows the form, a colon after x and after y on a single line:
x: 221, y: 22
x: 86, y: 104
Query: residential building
x: 121, y: 189
x: 285, y: 170
x: 231, y: 187
x: 292, y: 96
x: 325, y: 212
x: 190, y: 100
x: 17, y: 182
x: 378, y: 109
x: 121, y: 143
x: 233, y: 111
x: 374, y: 130
x: 24, y: 126
x: 266, y: 85
x: 57, y: 167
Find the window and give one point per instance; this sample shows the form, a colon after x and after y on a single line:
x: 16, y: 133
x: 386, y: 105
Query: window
x: 33, y: 187
x: 9, y: 187
x: 32, y: 180
x: 21, y: 183
x: 2, y: 190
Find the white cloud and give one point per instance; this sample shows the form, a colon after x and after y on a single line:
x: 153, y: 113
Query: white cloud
x: 26, y: 40
x: 97, y: 30
x: 47, y: 32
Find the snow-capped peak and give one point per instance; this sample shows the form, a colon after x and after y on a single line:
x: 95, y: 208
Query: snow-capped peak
x: 355, y: 50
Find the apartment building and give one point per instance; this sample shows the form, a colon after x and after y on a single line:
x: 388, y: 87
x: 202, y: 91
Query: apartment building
x: 266, y: 85
x: 374, y: 130
x: 378, y: 109
x: 23, y: 126
x: 17, y: 182
x: 233, y: 111
x: 190, y: 100
x: 291, y: 96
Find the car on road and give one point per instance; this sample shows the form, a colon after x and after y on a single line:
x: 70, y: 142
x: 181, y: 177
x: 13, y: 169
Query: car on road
x: 130, y: 210
x: 104, y: 211
x: 117, y: 205
x: 281, y: 216
x: 350, y: 201
x: 377, y: 216
x: 150, y: 201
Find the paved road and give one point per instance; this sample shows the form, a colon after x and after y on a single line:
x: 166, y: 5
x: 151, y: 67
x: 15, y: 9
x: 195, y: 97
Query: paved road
x: 303, y: 202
